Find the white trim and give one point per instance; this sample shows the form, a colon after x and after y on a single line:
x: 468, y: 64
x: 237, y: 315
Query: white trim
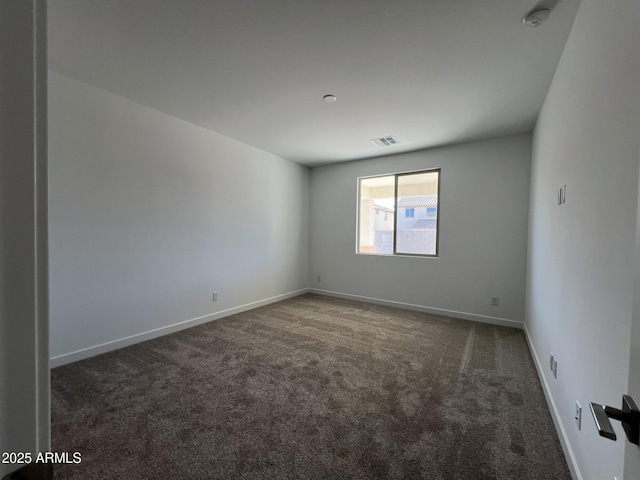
x: 562, y: 434
x: 505, y: 322
x: 159, y: 332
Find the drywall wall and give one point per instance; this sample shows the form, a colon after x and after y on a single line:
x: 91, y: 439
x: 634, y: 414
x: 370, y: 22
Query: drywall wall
x: 483, y: 233
x: 150, y: 214
x: 24, y: 360
x: 580, y: 265
x: 632, y: 452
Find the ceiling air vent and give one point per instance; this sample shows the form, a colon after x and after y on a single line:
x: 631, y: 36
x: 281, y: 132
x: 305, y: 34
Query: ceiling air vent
x: 384, y: 141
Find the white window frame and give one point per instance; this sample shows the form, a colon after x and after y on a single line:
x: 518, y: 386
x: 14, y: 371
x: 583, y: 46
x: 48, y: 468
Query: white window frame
x: 395, y: 214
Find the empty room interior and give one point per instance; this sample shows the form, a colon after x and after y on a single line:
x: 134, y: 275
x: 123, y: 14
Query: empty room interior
x: 356, y: 239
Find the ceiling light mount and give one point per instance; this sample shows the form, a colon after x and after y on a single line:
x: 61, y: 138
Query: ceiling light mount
x: 329, y: 98
x: 536, y: 17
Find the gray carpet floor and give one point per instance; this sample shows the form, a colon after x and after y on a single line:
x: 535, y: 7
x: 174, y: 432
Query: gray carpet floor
x: 311, y: 388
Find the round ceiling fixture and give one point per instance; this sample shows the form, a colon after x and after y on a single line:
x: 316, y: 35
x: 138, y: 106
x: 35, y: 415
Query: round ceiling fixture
x: 536, y: 17
x: 329, y: 98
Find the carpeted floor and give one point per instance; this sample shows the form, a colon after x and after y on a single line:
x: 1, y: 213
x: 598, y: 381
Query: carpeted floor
x: 311, y: 388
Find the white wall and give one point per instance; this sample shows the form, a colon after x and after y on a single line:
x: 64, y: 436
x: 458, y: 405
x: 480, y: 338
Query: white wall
x: 632, y: 452
x: 580, y: 265
x: 150, y: 214
x: 483, y: 232
x: 24, y: 359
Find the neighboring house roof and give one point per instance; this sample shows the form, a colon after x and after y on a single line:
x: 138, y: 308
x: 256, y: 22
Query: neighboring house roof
x: 425, y: 224
x: 419, y: 201
x: 384, y: 209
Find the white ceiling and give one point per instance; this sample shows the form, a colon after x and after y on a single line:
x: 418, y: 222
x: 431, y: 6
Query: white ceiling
x: 429, y: 72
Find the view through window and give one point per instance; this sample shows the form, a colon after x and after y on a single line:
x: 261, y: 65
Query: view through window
x: 398, y: 214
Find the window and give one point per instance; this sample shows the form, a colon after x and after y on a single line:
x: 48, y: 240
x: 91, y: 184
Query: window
x: 412, y: 201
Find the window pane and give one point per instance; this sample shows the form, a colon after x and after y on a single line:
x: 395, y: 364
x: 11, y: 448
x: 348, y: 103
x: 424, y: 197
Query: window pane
x: 417, y: 222
x: 376, y: 215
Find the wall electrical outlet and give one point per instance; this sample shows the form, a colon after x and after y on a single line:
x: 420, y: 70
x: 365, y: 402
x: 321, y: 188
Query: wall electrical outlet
x: 562, y: 194
x: 319, y: 279
x: 215, y: 296
x: 495, y: 301
x: 555, y: 368
x: 578, y: 415
x: 551, y: 360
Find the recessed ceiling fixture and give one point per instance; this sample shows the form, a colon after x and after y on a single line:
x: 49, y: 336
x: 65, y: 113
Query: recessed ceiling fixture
x: 385, y: 141
x: 329, y: 98
x: 536, y: 17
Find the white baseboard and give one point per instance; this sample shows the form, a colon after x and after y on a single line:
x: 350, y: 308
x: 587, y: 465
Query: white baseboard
x: 505, y: 322
x: 159, y: 332
x: 562, y: 434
